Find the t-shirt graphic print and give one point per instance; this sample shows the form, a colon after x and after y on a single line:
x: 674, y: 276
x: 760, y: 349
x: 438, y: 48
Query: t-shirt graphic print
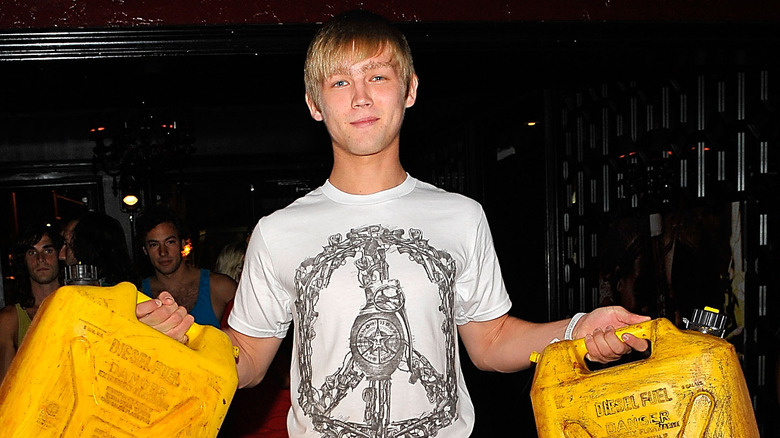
x: 385, y: 352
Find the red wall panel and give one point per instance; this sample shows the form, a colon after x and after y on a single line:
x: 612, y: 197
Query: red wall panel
x: 31, y: 14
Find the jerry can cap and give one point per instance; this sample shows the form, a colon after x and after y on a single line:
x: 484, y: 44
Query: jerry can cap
x: 708, y: 320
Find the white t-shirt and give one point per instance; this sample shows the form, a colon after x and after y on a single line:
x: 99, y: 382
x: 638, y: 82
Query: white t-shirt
x: 376, y: 286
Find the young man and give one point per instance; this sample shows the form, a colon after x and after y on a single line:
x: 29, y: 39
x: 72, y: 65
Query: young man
x: 379, y: 272
x: 66, y: 254
x: 203, y: 293
x: 36, y: 264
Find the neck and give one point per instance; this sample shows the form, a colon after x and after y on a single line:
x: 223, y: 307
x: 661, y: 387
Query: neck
x: 180, y: 274
x: 41, y: 291
x: 360, y: 175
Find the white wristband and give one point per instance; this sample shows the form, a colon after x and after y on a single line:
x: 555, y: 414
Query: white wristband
x: 570, y: 328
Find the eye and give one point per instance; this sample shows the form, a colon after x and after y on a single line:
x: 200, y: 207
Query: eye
x: 339, y: 84
x: 378, y: 78
x: 31, y: 253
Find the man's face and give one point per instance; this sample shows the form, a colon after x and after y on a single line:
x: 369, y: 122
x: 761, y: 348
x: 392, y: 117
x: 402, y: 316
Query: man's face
x: 66, y: 252
x: 41, y: 261
x: 163, y: 246
x: 363, y: 106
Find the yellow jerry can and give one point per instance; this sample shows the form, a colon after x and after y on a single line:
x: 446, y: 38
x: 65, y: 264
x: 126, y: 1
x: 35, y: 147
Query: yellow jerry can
x: 691, y: 386
x: 88, y: 368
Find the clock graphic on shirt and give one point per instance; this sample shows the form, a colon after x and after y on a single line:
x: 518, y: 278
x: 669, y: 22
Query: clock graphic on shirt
x: 378, y: 344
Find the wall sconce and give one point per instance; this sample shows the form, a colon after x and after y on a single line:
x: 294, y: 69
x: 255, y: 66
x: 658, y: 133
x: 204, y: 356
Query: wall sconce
x: 130, y: 200
x: 129, y: 192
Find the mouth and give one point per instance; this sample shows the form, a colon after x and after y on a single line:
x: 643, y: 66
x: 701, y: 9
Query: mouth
x: 365, y: 121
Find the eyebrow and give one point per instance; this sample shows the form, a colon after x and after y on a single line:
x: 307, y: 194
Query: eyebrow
x: 376, y: 64
x: 345, y: 70
x: 48, y: 245
x: 172, y: 236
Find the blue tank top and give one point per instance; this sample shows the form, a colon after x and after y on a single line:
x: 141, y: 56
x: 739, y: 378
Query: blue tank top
x: 202, y: 312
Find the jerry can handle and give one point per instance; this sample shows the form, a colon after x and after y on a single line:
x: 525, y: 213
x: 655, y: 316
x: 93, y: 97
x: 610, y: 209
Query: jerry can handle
x: 195, y: 338
x: 644, y: 330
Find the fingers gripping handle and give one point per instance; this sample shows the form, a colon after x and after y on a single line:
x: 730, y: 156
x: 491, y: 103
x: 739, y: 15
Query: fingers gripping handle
x: 645, y: 330
x: 194, y: 333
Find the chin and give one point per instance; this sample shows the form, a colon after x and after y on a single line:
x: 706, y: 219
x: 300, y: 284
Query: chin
x: 168, y: 269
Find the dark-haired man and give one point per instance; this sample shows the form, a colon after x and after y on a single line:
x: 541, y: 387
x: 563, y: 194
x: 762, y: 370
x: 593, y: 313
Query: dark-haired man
x: 205, y: 294
x: 36, y: 263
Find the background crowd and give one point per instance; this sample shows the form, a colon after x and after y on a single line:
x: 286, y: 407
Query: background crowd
x: 44, y: 251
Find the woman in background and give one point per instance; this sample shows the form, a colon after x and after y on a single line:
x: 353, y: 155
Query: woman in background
x: 99, y: 240
x: 231, y: 260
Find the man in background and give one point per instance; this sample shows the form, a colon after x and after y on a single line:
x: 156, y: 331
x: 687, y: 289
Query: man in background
x: 205, y: 294
x: 37, y: 269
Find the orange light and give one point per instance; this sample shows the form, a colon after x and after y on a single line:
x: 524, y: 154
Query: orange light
x: 185, y: 251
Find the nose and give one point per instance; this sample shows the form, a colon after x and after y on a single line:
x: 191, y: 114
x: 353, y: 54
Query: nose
x: 361, y: 97
x: 61, y: 254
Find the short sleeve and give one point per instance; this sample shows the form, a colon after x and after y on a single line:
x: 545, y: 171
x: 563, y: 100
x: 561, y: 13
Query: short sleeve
x: 480, y: 291
x: 262, y: 305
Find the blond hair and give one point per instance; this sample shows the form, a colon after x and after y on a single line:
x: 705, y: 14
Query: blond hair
x: 353, y: 37
x: 231, y: 260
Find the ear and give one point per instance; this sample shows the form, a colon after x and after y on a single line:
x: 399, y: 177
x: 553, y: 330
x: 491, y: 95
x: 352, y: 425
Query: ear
x: 411, y: 94
x: 315, y: 112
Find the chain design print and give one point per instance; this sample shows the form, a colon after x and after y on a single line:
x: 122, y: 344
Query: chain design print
x: 380, y: 338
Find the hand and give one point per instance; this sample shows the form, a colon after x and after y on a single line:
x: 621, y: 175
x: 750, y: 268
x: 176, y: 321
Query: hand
x: 164, y: 315
x: 600, y: 339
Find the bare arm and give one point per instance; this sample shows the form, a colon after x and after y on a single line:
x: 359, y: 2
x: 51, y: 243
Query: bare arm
x: 255, y: 356
x: 9, y: 327
x: 223, y: 289
x: 505, y: 344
